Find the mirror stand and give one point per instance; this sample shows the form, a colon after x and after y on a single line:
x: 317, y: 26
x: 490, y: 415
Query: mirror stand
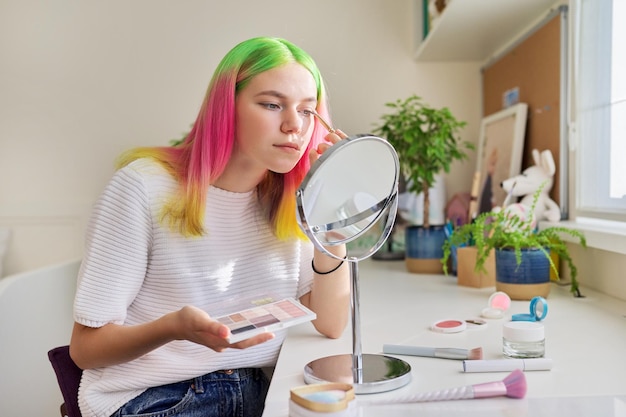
x: 368, y: 373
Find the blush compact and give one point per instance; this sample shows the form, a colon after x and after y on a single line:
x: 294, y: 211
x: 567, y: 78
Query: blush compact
x: 449, y: 326
x: 499, y: 302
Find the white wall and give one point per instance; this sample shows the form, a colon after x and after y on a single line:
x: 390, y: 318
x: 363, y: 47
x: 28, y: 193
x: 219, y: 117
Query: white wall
x: 82, y: 81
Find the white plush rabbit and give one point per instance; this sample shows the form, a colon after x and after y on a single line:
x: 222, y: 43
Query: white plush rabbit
x: 539, y: 175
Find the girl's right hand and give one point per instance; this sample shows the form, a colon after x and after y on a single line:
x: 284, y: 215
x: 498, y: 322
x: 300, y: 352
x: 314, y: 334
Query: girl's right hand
x: 197, y: 326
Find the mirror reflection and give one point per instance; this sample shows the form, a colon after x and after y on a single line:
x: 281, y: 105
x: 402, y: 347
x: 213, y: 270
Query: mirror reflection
x: 350, y: 190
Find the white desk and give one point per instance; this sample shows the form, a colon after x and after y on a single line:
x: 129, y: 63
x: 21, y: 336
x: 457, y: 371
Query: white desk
x: 586, y: 338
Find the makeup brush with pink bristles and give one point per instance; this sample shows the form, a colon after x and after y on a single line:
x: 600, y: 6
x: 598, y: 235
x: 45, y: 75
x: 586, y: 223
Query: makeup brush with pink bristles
x: 513, y: 386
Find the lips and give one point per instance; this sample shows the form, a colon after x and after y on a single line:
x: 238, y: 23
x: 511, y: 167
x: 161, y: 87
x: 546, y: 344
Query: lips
x: 289, y: 145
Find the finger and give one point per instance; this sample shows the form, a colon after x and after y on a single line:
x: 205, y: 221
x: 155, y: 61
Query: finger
x: 215, y: 328
x: 313, y: 156
x: 322, y: 147
x: 195, y: 322
x: 333, y: 137
x: 253, y: 341
x: 214, y: 337
x: 341, y: 134
x: 223, y: 331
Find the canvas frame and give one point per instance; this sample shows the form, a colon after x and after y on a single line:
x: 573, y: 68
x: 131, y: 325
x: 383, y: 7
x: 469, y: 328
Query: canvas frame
x: 501, y: 133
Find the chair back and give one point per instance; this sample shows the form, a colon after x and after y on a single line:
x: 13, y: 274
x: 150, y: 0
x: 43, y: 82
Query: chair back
x: 68, y: 376
x: 35, y: 316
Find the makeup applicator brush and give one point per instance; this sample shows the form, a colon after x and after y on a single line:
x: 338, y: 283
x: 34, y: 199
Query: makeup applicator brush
x: 430, y: 352
x: 322, y: 121
x: 513, y: 386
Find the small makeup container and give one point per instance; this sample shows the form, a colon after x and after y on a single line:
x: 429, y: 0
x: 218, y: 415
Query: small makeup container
x: 523, y: 339
x: 323, y: 400
x: 449, y: 326
x: 499, y: 302
x: 538, y: 311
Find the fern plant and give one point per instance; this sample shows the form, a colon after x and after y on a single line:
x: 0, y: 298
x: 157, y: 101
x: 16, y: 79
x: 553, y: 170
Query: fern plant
x: 499, y: 229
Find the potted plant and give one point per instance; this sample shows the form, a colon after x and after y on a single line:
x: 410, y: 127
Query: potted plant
x: 522, y: 253
x: 427, y: 142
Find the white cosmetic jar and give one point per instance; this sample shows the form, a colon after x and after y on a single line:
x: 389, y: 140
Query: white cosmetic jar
x: 523, y: 339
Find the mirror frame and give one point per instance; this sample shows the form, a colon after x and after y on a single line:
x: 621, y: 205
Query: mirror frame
x: 387, y: 207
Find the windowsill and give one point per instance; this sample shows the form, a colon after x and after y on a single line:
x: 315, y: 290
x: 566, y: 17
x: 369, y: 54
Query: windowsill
x: 600, y: 234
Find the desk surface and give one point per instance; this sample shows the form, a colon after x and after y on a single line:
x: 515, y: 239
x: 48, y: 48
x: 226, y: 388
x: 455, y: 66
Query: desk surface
x: 585, y: 337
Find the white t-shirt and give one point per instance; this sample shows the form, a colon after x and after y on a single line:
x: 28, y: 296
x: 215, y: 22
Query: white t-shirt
x: 135, y: 269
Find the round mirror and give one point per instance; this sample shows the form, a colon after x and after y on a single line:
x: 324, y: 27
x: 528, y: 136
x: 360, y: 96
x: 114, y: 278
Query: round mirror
x: 350, y: 190
x: 350, y: 196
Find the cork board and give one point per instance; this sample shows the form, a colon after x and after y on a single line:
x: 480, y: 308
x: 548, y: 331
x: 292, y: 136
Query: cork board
x: 534, y: 67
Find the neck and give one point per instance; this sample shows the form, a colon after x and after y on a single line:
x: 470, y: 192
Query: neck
x: 239, y: 180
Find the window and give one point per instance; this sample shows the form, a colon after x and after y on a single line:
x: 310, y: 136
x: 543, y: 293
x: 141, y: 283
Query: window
x: 599, y: 116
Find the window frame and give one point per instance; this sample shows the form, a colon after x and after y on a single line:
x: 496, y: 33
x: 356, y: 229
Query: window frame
x: 583, y: 204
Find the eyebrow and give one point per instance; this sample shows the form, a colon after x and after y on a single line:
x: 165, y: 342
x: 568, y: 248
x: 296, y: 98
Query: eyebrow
x: 280, y: 95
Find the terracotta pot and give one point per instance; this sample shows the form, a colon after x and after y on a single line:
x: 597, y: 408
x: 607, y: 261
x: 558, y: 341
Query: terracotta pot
x: 466, y: 269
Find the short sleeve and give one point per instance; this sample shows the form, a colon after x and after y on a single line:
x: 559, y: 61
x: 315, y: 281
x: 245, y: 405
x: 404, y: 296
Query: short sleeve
x: 116, y: 253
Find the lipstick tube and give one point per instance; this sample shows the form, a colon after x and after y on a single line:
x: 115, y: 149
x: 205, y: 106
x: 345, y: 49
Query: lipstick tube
x: 507, y: 365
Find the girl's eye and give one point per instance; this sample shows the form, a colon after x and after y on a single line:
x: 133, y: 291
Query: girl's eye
x: 307, y: 112
x: 271, y: 106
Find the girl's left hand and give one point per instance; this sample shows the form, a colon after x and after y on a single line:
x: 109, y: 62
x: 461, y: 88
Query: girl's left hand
x: 331, y: 139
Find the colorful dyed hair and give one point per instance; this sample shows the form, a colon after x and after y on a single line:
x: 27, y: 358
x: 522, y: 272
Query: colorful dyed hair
x: 202, y: 157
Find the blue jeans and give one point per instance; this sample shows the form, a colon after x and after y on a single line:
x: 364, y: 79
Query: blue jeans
x: 236, y: 393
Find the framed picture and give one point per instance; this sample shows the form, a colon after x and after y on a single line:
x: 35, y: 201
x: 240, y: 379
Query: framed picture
x: 500, y: 148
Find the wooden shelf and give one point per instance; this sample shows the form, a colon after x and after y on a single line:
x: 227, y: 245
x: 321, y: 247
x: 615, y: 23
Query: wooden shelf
x: 473, y: 30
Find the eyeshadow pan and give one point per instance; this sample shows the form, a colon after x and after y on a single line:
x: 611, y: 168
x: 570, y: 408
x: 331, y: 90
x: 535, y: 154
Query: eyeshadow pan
x: 265, y: 320
x: 243, y: 329
x: 237, y: 317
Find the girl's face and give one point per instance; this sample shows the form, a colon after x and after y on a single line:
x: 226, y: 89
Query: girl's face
x: 273, y: 119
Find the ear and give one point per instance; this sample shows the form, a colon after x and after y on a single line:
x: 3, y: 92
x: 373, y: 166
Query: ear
x: 547, y: 162
x: 536, y: 157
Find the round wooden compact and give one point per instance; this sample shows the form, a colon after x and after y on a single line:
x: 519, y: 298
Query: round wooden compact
x: 328, y: 399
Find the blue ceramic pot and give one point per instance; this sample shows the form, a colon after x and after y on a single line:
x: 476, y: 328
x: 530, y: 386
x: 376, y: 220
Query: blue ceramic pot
x: 525, y: 280
x: 424, y: 243
x: 534, y: 268
x: 424, y: 249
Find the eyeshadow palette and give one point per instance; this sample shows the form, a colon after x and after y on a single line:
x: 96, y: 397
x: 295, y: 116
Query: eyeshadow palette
x: 268, y: 317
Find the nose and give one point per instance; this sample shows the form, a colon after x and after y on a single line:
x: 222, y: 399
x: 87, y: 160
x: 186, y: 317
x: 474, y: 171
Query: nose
x: 292, y: 122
